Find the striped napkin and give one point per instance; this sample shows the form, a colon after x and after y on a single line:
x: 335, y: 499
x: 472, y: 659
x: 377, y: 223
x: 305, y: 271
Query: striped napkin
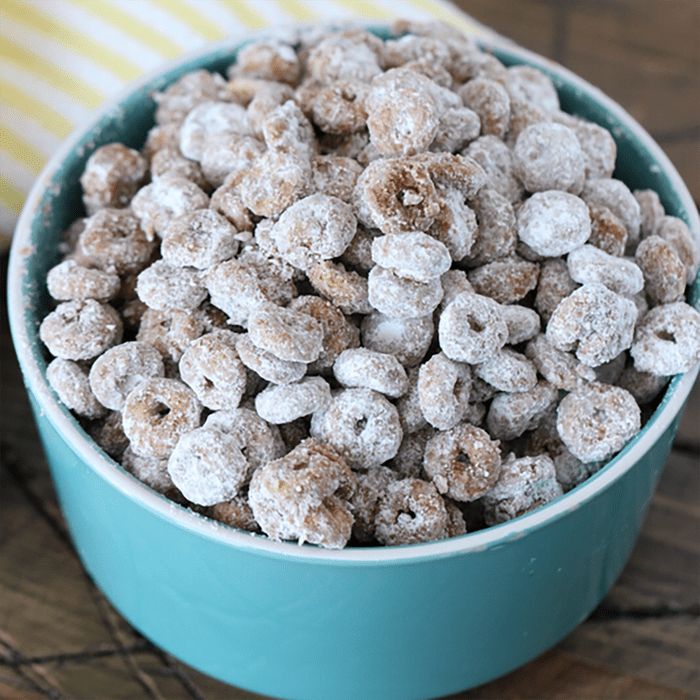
x: 61, y: 59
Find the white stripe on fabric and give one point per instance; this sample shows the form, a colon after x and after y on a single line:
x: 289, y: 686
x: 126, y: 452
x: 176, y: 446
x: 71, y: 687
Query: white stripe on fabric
x: 30, y: 131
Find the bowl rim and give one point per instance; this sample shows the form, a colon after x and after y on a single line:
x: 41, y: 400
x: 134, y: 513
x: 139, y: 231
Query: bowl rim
x: 93, y: 457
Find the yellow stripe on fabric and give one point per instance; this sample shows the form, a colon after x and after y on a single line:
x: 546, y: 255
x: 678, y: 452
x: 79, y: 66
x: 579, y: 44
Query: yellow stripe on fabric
x: 439, y: 11
x: 365, y: 9
x: 50, y: 73
x: 191, y: 18
x: 75, y: 41
x: 51, y: 120
x: 245, y: 14
x: 22, y: 151
x: 10, y: 197
x: 128, y: 24
x: 297, y: 10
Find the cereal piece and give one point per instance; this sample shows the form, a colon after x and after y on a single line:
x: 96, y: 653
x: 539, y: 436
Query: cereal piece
x: 559, y: 368
x: 453, y: 172
x: 108, y: 433
x: 228, y: 154
x: 336, y: 176
x: 676, y: 232
x: 210, y: 120
x: 69, y: 281
x: 471, y: 328
x: 287, y: 130
x: 362, y: 425
x: 295, y: 432
x: 80, y: 330
x: 289, y: 335
x: 227, y: 201
x: 286, y: 402
x: 615, y: 195
x: 114, y: 241
x: 70, y: 382
x: 589, y: 265
x: 360, y: 367
x: 407, y: 339
x: 456, y: 128
x: 266, y: 99
x: 122, y: 368
x: 412, y: 48
x: 353, y: 54
x: 525, y: 483
x: 595, y: 322
x: 455, y: 225
x: 497, y: 161
x: 554, y: 284
x: 164, y: 199
x: 365, y: 501
x: 548, y: 156
x: 490, y: 101
x: 527, y: 84
x: 186, y: 93
x: 443, y: 391
x: 409, y: 459
x: 553, y: 223
x: 506, y: 280
x: 596, y: 421
x: 346, y: 289
x: 157, y: 413
x: 410, y: 413
x: 304, y: 496
x: 207, y: 466
x: 339, y: 108
x: 609, y: 372
x: 266, y: 365
x: 170, y: 332
x: 664, y: 272
x: 198, y: 239
x: 607, y: 231
x: 507, y: 370
x: 522, y: 115
x: 338, y: 333
x: 163, y: 286
x: 267, y: 60
x: 161, y: 137
x: 667, y: 340
x: 169, y: 161
x: 510, y: 415
x: 522, y: 323
x: 650, y: 209
x: 454, y: 282
x: 151, y: 471
x: 402, y: 298
x: 313, y: 229
x: 644, y: 386
x: 235, y: 513
x: 599, y: 149
x: 410, y: 511
x: 414, y: 255
x: 497, y: 228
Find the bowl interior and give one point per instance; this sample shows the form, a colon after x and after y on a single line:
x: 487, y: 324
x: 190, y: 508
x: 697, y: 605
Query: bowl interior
x: 129, y: 120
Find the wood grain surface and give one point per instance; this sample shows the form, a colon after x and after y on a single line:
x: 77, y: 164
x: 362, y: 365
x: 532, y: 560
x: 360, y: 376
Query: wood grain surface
x: 59, y: 638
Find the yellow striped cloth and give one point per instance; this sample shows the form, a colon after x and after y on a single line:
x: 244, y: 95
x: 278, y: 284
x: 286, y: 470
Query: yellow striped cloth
x: 60, y: 59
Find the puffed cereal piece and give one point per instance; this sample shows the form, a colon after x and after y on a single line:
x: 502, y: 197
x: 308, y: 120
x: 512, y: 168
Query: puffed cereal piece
x: 522, y: 115
x: 80, y: 330
x: 667, y: 340
x: 414, y: 255
x: 267, y: 60
x: 235, y: 513
x: 490, y: 101
x: 285, y: 403
x: 527, y: 84
x: 663, y: 270
x: 227, y: 154
x: 507, y: 370
x: 162, y: 286
x: 450, y: 171
x: 409, y: 459
x: 506, y: 280
x: 286, y: 129
x: 609, y: 372
x: 455, y: 225
x: 443, y: 391
x: 553, y: 223
x: 114, y: 241
x: 676, y: 232
x: 472, y: 328
x: 362, y: 425
x: 164, y: 199
x: 151, y: 471
x: 522, y: 323
x: 510, y: 415
x: 170, y: 332
x: 555, y: 284
x: 227, y: 201
x: 644, y: 386
x: 456, y: 128
x: 406, y: 339
x: 607, y: 231
x: 161, y: 137
x: 268, y: 98
x: 651, y: 211
x: 157, y: 413
x: 210, y: 120
x: 304, y: 496
x: 122, y: 368
x: 525, y: 484
x: 412, y: 48
x: 400, y: 297
x: 596, y: 421
x: 595, y: 322
x: 497, y: 161
x: 186, y: 93
x: 339, y: 108
x: 616, y: 196
x: 69, y: 281
x: 548, y: 156
x: 336, y: 176
x: 365, y: 501
x: 410, y: 511
x: 408, y: 406
x: 70, y: 382
x: 207, y: 466
x: 108, y: 433
x: 588, y: 265
x: 266, y: 365
x: 381, y: 372
x: 353, y: 54
x: 559, y: 368
x: 497, y: 227
x: 454, y: 282
x: 169, y: 161
x: 599, y: 149
x: 344, y: 288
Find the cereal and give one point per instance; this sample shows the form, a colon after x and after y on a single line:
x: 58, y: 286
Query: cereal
x: 455, y: 225
x: 266, y: 365
x: 122, y: 368
x: 454, y: 282
x: 400, y: 297
x: 471, y: 328
x: 607, y: 231
x: 456, y: 128
x: 286, y: 402
x: 186, y: 93
x: 463, y: 463
x: 227, y: 155
x: 663, y: 270
x: 510, y: 415
x: 70, y: 382
x: 522, y: 323
x: 599, y: 149
x: 410, y: 413
x: 227, y: 201
x: 80, y: 330
x: 443, y: 391
x: 497, y: 228
x: 615, y: 195
x: 267, y: 60
x: 506, y: 280
x: 527, y: 84
x: 344, y: 288
x: 336, y: 176
x: 69, y: 281
x: 651, y: 211
x: 264, y: 102
x: 675, y: 232
x: 360, y: 367
x: 609, y: 372
x: 163, y: 286
x: 235, y: 513
x: 559, y: 368
x: 209, y: 120
x: 507, y: 370
x: 157, y: 413
x: 413, y: 255
x: 497, y: 161
x: 406, y: 339
x: 667, y: 340
x: 365, y: 501
x: 409, y: 459
x: 588, y: 265
x: 595, y: 322
x: 151, y: 471
x: 553, y: 223
x: 108, y: 433
x: 490, y: 101
x: 352, y: 54
x: 555, y: 284
x: 339, y: 108
x: 304, y: 496
x: 170, y: 332
x: 169, y: 161
x: 596, y: 421
x: 361, y: 425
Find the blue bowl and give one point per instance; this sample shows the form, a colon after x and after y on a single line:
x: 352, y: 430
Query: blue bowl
x: 396, y: 622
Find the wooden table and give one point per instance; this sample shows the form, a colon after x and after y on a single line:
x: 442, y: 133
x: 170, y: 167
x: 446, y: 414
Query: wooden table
x: 59, y: 638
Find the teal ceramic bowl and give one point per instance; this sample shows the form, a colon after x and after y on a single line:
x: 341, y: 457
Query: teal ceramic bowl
x: 397, y: 622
